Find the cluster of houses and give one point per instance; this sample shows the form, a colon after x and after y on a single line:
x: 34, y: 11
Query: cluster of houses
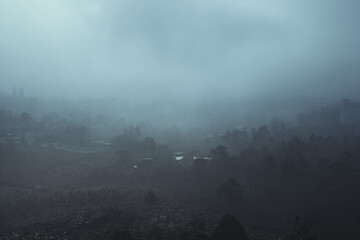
x: 180, y: 159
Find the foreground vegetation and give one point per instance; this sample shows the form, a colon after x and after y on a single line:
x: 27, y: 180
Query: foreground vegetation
x: 272, y: 182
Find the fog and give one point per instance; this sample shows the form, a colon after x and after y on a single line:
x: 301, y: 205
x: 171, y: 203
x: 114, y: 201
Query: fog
x: 182, y: 54
x: 188, y: 119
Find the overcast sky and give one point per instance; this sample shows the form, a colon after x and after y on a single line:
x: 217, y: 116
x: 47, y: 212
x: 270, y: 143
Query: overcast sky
x: 193, y: 49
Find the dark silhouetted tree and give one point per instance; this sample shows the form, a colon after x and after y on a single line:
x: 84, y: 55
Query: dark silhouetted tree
x: 222, y: 160
x: 128, y: 141
x: 229, y: 228
x: 220, y: 152
x: 148, y: 145
x: 261, y: 137
x: 230, y: 192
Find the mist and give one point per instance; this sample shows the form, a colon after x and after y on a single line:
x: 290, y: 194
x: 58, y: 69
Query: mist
x: 192, y: 119
x: 181, y: 51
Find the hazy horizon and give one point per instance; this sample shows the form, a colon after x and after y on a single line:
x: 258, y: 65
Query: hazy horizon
x: 190, y: 50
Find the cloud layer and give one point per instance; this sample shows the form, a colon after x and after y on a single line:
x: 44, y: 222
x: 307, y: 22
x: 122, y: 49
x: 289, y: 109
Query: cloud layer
x: 158, y: 49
